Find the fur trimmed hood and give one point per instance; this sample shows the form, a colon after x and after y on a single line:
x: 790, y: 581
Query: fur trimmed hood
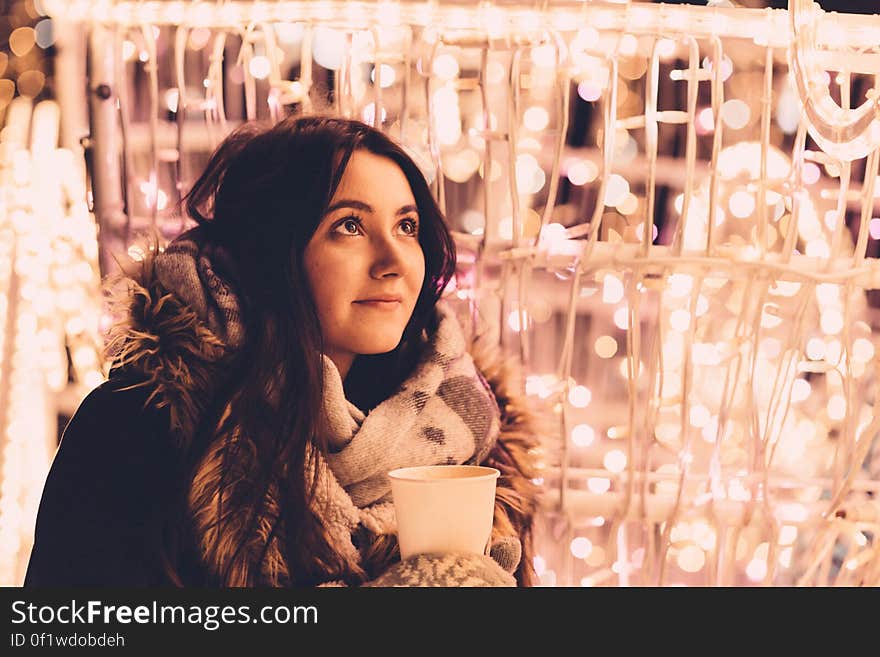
x: 161, y: 344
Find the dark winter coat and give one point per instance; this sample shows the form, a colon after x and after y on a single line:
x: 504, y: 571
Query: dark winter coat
x: 111, y: 490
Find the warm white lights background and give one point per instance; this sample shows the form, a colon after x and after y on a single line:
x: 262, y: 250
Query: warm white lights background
x: 669, y: 212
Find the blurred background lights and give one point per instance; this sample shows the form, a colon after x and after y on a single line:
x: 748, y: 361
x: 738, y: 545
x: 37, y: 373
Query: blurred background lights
x: 22, y: 40
x: 628, y: 45
x: 579, y: 396
x: 581, y: 547
x: 328, y: 47
x: 617, y: 189
x: 836, y: 407
x: 691, y: 559
x: 680, y: 320
x: 589, y: 90
x: 583, y: 435
x: 742, y: 204
x: 732, y: 342
x: 612, y: 289
x: 445, y: 67
x: 536, y: 119
x: 735, y: 114
x: 387, y: 74
x: 862, y: 350
x: 582, y: 172
x: 831, y: 321
x: 606, y: 346
x: 369, y: 117
x: 666, y: 48
x: 260, y: 67
x: 44, y: 33
x: 614, y: 461
x: 598, y: 485
x: 810, y: 173
x: 756, y: 570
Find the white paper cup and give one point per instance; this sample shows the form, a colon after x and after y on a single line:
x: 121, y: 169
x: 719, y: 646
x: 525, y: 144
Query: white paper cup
x: 443, y: 508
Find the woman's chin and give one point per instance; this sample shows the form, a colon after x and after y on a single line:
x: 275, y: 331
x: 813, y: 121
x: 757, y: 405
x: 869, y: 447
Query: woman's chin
x: 374, y: 348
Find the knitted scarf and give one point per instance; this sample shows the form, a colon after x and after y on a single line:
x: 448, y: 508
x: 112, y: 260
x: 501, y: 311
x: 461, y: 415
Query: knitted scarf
x: 443, y: 413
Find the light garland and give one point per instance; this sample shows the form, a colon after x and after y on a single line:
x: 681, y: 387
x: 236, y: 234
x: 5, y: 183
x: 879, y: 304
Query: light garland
x: 715, y: 394
x: 50, y: 305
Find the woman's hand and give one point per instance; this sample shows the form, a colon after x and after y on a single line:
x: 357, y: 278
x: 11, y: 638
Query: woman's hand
x: 456, y: 569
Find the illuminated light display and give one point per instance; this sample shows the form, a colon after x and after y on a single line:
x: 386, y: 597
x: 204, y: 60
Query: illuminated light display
x: 703, y: 342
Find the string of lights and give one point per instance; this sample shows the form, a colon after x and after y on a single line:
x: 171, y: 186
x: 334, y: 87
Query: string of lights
x: 669, y: 212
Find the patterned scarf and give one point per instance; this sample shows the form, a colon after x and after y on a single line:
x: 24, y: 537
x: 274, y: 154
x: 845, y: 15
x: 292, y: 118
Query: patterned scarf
x: 443, y: 413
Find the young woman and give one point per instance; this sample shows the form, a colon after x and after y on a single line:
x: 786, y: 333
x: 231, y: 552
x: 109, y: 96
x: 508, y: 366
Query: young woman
x: 274, y: 364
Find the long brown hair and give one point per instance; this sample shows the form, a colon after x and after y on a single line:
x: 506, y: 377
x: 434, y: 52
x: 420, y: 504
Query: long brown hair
x: 261, y: 197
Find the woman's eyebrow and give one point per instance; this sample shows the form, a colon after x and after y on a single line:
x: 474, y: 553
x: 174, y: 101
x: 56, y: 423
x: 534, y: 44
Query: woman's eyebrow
x: 366, y: 207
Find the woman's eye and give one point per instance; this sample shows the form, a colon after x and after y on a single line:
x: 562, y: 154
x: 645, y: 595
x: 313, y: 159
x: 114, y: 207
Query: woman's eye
x: 410, y: 226
x: 350, y: 226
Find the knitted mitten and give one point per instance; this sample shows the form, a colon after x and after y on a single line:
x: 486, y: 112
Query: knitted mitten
x: 456, y: 569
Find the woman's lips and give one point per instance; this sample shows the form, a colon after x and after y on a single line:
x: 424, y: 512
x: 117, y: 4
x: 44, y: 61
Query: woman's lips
x: 379, y: 305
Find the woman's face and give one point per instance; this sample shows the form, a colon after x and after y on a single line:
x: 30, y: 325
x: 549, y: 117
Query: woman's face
x: 364, y: 263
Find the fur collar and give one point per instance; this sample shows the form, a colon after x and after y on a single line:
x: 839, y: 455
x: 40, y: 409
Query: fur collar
x: 161, y: 343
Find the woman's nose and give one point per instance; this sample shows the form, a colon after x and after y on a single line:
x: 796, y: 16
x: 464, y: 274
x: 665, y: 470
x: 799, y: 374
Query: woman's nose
x: 388, y: 258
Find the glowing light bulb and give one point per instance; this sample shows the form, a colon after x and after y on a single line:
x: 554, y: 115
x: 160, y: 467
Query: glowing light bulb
x: 640, y: 231
x: 583, y: 435
x: 827, y: 293
x: 579, y: 396
x: 446, y: 67
x: 369, y: 116
x: 598, y: 485
x: 606, y: 346
x: 539, y: 564
x: 741, y: 204
x: 628, y: 45
x: 544, y: 56
x: 691, y: 559
x: 530, y: 177
x: 831, y: 321
x: 514, y: 320
x: 172, y: 97
x: 680, y: 320
x: 756, y: 570
x: 800, y: 390
x: 788, y: 534
x: 616, y: 190
x: 699, y: 416
x: 612, y: 289
x: 536, y: 119
x: 818, y: 248
x: 679, y: 285
x: 590, y: 90
x: 666, y: 48
x: 614, y: 461
x: 387, y: 76
x: 328, y: 47
x: 810, y: 174
x: 815, y: 349
x: 621, y: 318
x: 260, y: 67
x: 836, y: 407
x: 629, y: 205
x: 581, y: 547
x: 735, y: 114
x: 582, y: 172
x: 862, y: 350
x: 495, y: 73
x: 702, y: 306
